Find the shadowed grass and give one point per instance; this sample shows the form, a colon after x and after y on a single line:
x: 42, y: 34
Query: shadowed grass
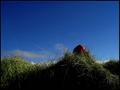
x: 71, y: 71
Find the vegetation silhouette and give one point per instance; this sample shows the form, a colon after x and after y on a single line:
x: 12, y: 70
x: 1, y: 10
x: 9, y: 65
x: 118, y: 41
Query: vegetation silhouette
x: 70, y: 72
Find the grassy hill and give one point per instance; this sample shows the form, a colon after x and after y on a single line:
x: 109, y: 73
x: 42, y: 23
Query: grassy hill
x: 70, y: 72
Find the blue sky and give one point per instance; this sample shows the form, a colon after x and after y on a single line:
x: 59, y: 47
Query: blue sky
x: 43, y: 30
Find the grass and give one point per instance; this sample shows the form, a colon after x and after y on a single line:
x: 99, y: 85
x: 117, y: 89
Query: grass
x: 70, y: 72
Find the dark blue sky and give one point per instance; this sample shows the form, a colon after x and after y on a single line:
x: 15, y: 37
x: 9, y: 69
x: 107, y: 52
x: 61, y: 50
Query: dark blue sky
x: 48, y: 27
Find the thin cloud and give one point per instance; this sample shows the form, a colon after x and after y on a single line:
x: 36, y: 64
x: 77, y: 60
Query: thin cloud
x: 33, y: 62
x: 41, y: 55
x: 61, y: 47
x: 102, y: 61
x: 27, y: 54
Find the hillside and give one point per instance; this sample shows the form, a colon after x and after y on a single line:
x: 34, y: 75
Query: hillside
x: 70, y: 72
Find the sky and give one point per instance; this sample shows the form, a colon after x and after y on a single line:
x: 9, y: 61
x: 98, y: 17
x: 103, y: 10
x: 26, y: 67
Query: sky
x: 43, y: 30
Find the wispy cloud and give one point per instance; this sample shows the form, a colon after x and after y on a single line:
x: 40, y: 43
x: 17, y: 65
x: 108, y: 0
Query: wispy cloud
x: 33, y: 62
x: 61, y: 47
x: 22, y: 53
x: 102, y: 61
x: 43, y: 55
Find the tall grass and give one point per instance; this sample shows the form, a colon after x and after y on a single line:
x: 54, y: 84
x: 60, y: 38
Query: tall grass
x: 71, y: 71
